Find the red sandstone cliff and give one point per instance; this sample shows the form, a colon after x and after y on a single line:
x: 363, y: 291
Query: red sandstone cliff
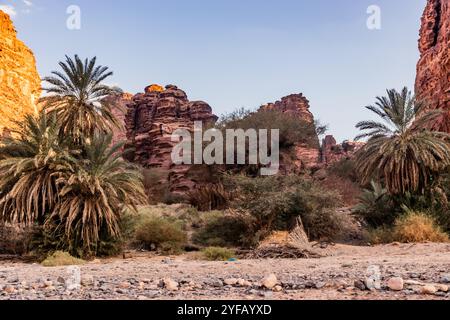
x: 20, y: 84
x: 433, y: 69
x: 151, y: 119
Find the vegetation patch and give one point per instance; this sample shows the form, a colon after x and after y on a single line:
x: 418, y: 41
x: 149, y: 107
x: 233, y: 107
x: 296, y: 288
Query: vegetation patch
x: 60, y: 258
x: 218, y: 254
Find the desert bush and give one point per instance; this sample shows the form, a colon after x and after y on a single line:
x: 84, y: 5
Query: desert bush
x: 376, y: 206
x: 15, y: 239
x: 163, y: 234
x: 412, y: 227
x: 345, y: 168
x: 418, y: 227
x: 209, y: 197
x: 275, y: 203
x: 60, y: 258
x: 222, y: 230
x: 349, y: 190
x: 218, y: 254
x: 292, y: 129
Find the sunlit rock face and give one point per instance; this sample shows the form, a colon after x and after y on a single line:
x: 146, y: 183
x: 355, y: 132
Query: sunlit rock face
x: 433, y: 69
x: 20, y: 84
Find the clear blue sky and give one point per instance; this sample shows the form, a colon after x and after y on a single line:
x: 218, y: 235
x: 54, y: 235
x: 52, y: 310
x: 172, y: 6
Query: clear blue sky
x: 239, y: 53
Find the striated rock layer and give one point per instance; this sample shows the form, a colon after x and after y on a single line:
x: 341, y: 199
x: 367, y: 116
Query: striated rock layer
x: 20, y: 84
x: 306, y: 156
x: 433, y: 69
x: 151, y: 119
x: 332, y: 152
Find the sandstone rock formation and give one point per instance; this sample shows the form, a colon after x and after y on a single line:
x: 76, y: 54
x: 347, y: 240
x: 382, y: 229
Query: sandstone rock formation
x: 433, y: 69
x: 294, y: 104
x: 333, y: 152
x: 20, y: 84
x: 151, y: 119
x: 119, y: 104
x: 306, y: 156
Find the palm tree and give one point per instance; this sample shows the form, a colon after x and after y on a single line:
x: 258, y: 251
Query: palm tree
x: 30, y: 163
x: 400, y: 150
x: 94, y: 193
x: 77, y: 97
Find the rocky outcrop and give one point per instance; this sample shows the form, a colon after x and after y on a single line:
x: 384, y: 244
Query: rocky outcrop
x: 433, y: 69
x: 20, y: 84
x: 333, y: 152
x: 306, y: 155
x: 119, y: 106
x: 295, y: 104
x: 151, y: 119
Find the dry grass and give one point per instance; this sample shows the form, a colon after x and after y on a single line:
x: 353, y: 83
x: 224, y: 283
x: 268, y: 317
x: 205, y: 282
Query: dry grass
x: 60, y: 258
x: 418, y: 227
x: 415, y: 227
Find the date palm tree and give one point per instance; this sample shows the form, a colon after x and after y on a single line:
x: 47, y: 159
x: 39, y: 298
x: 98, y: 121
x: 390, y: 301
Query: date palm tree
x: 30, y: 163
x: 77, y: 97
x: 77, y: 192
x: 94, y: 193
x: 401, y: 151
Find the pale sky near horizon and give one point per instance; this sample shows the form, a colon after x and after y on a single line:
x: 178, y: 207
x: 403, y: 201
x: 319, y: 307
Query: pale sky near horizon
x: 238, y: 53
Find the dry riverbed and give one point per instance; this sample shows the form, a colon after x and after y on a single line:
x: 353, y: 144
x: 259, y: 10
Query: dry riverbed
x: 421, y: 271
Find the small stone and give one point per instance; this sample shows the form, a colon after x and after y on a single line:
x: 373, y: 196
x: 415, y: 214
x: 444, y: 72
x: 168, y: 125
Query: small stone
x: 9, y: 289
x: 270, y: 281
x: 50, y: 288
x: 87, y: 280
x: 428, y: 289
x: 217, y: 284
x: 445, y: 278
x: 442, y: 287
x: 170, y: 285
x: 61, y: 280
x: 395, y: 284
x: 230, y: 282
x: 360, y: 285
x: 48, y: 283
x: 142, y: 298
x: 124, y: 285
x: 413, y: 283
x: 278, y: 289
x: 320, y: 285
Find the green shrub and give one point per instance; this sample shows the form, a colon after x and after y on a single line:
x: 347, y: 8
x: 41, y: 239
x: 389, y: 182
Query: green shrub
x: 377, y: 207
x: 217, y: 254
x: 220, y: 230
x: 60, y: 258
x: 163, y: 234
x: 275, y: 203
x: 345, y: 169
x: 292, y: 130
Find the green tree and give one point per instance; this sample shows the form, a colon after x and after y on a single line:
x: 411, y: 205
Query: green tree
x: 77, y: 97
x: 401, y: 151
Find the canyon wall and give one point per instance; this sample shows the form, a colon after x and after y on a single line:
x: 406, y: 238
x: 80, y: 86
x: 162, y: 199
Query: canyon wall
x: 20, y: 84
x: 433, y: 69
x: 151, y: 119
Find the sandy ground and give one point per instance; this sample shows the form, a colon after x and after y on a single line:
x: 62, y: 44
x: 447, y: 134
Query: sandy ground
x: 332, y: 277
